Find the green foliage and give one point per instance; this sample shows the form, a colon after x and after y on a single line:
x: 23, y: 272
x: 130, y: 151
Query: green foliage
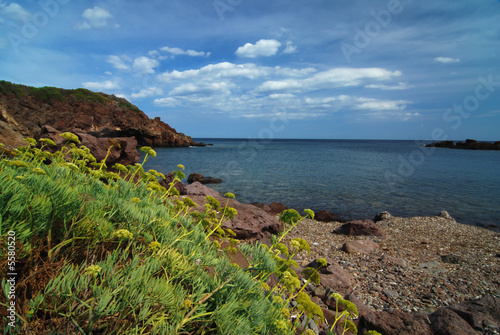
x: 82, y: 94
x: 7, y: 87
x: 47, y: 94
x: 118, y: 254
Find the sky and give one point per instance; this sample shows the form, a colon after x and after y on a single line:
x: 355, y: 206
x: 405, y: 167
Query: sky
x: 326, y: 69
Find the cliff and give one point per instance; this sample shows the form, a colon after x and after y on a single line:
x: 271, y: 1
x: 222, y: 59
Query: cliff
x: 24, y: 110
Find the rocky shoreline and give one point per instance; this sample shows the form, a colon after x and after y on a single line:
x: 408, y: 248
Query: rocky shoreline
x: 406, y: 275
x: 468, y: 144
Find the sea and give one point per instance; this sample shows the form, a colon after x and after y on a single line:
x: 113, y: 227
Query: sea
x: 355, y: 179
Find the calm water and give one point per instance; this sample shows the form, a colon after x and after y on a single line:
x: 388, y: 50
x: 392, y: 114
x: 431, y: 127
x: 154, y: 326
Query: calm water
x: 354, y: 178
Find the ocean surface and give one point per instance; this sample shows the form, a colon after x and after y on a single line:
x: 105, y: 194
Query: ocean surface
x: 354, y: 178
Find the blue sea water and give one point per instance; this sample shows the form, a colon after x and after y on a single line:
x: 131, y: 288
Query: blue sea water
x: 353, y: 178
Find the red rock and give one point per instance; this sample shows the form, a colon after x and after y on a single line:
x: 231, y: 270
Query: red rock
x: 360, y: 228
x: 395, y: 323
x: 277, y: 208
x: 83, y: 111
x: 326, y: 216
x: 447, y: 322
x: 360, y: 246
x: 250, y: 222
x: 337, y: 279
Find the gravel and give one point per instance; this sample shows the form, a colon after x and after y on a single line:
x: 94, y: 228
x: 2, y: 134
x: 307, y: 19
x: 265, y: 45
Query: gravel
x: 424, y: 263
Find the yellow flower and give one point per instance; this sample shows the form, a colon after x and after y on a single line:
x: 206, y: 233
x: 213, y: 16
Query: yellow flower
x: 92, y: 270
x: 70, y: 137
x: 123, y: 233
x: 149, y: 151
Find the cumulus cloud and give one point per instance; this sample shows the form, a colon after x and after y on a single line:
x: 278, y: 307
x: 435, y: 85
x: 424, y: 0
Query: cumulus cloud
x: 101, y: 86
x: 337, y: 77
x: 96, y: 17
x: 203, y: 89
x: 147, y: 92
x: 179, y: 51
x: 264, y: 48
x: 144, y: 65
x: 140, y: 65
x: 166, y: 102
x: 14, y: 11
x: 290, y: 48
x: 120, y: 62
x: 446, y: 60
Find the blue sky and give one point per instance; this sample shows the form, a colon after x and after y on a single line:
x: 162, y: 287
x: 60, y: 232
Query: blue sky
x: 360, y: 69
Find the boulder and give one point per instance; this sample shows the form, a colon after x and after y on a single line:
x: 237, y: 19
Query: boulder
x: 337, y: 279
x: 360, y: 228
x: 126, y: 154
x: 360, y: 247
x: 262, y: 206
x: 445, y: 215
x: 202, y: 179
x: 482, y: 314
x: 180, y: 186
x: 250, y: 222
x: 395, y: 323
x: 326, y: 216
x: 446, y: 322
x: 382, y: 216
x: 276, y: 207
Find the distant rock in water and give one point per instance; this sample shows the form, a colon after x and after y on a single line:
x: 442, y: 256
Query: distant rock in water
x: 468, y: 144
x: 198, y: 177
x: 24, y: 110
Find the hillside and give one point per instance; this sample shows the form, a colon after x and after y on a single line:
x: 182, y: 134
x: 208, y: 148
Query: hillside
x: 24, y: 110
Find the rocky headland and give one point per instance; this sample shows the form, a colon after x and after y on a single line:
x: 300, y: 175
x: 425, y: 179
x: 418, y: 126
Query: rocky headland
x: 468, y: 144
x: 95, y: 117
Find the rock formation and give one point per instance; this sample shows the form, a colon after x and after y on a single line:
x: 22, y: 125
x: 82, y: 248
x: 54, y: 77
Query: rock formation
x: 468, y: 144
x: 24, y: 110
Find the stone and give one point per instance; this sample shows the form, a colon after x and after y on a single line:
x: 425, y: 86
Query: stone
x: 395, y: 323
x: 276, y: 207
x: 360, y: 228
x: 337, y: 279
x: 262, y: 206
x: 445, y: 215
x: 390, y: 293
x: 451, y: 259
x: 446, y: 322
x: 480, y: 312
x: 326, y: 216
x: 360, y: 246
x: 169, y: 177
x: 202, y: 179
x: 126, y: 154
x: 382, y: 216
x: 393, y: 260
x: 251, y: 223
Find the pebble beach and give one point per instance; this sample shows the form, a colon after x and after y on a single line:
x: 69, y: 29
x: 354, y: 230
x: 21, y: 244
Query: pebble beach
x: 422, y: 264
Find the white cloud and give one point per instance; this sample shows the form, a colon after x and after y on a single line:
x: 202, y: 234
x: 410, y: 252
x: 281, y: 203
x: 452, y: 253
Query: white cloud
x: 147, y: 92
x: 96, y: 17
x: 144, y: 65
x: 290, y: 48
x: 100, y: 86
x: 337, y: 77
x: 446, y: 60
x: 166, y: 102
x: 119, y: 63
x: 14, y: 11
x: 261, y: 48
x: 223, y: 88
x: 179, y: 51
x: 399, y: 86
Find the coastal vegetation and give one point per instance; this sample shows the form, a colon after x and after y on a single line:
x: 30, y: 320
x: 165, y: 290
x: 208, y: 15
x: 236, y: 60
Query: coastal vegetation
x: 51, y: 95
x: 111, y: 251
